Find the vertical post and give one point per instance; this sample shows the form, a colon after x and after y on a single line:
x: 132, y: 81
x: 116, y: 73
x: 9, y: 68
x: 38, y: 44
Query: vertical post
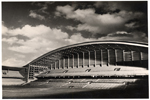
x: 123, y: 55
x: 141, y: 56
x: 72, y: 61
x: 132, y: 58
x: 108, y: 57
x: 78, y: 60
x: 27, y: 79
x: 68, y: 61
x: 33, y: 69
x: 63, y: 63
x: 115, y: 57
x: 55, y: 65
x: 95, y: 57
x: 58, y: 64
x: 89, y: 58
x: 51, y: 67
x: 83, y: 59
x: 101, y: 57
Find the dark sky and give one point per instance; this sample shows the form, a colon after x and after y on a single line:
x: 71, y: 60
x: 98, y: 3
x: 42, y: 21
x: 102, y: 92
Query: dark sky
x: 30, y: 29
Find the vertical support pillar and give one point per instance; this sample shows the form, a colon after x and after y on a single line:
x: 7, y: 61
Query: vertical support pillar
x: 95, y: 57
x: 89, y: 58
x: 63, y: 63
x: 115, y: 57
x: 51, y: 66
x: 68, y: 62
x: 141, y: 57
x: 78, y: 60
x: 43, y: 64
x: 108, y: 57
x: 101, y: 57
x: 132, y: 58
x: 123, y: 55
x: 83, y: 59
x: 72, y: 61
x: 55, y: 65
x: 58, y: 64
x: 28, y: 74
x: 33, y: 69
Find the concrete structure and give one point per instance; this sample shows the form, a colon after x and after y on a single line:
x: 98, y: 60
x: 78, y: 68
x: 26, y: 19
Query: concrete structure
x: 13, y: 75
x: 91, y: 59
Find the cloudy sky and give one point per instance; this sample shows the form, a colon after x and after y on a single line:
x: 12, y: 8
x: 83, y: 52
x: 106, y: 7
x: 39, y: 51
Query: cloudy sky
x: 30, y: 29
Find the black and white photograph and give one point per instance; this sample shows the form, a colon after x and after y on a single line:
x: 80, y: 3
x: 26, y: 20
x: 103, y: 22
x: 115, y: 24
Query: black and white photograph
x: 74, y: 50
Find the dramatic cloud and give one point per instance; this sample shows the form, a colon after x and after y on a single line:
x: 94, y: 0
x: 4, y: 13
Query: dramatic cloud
x: 35, y: 15
x: 40, y: 38
x: 14, y: 62
x: 11, y: 40
x: 78, y: 38
x: 122, y: 35
x: 20, y: 55
x: 97, y: 23
x: 132, y: 25
x: 4, y: 29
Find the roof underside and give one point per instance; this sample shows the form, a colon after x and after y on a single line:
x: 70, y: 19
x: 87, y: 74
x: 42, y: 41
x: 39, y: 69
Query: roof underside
x: 86, y: 47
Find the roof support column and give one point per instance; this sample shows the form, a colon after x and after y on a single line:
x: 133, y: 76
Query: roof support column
x: 89, y: 58
x: 83, y: 59
x: 27, y: 79
x: 78, y: 60
x: 63, y: 63
x: 68, y: 62
x: 51, y: 66
x: 132, y: 58
x: 141, y: 57
x: 58, y: 64
x: 115, y: 57
x: 72, y: 61
x: 55, y: 65
x: 95, y: 57
x: 101, y: 52
x: 108, y: 57
x: 123, y: 55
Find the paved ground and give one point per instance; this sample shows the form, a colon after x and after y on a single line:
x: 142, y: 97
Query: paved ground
x: 139, y: 91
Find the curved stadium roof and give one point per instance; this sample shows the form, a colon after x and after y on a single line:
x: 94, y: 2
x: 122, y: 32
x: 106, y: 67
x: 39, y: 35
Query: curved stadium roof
x: 90, y: 46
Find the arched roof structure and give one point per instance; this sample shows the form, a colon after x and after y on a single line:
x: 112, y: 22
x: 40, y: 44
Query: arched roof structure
x: 92, y: 45
x: 91, y: 54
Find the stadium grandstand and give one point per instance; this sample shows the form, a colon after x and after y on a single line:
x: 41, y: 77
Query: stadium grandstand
x: 95, y: 65
x: 93, y: 59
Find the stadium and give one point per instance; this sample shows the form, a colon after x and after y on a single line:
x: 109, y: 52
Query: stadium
x: 96, y: 65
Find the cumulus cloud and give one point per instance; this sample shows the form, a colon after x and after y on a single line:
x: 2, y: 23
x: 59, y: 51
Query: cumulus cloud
x: 20, y: 55
x: 4, y: 29
x: 123, y: 35
x: 78, y: 38
x: 97, y: 23
x: 132, y: 25
x: 40, y: 38
x: 13, y: 62
x: 35, y: 15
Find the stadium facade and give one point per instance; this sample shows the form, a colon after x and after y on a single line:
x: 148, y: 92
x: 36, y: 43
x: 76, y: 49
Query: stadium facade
x: 91, y: 59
